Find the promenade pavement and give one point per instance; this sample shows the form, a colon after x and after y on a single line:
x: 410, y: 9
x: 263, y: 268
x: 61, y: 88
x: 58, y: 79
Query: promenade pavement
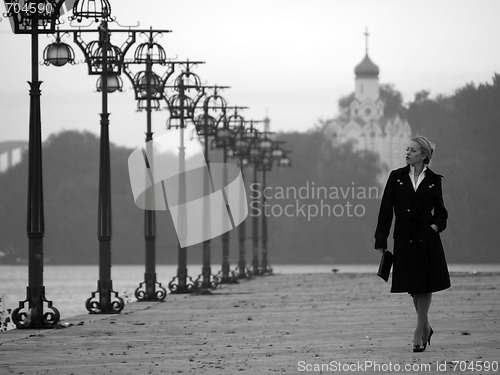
x: 290, y: 324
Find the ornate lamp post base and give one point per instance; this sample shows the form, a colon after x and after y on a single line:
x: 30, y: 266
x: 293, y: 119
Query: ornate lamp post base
x: 228, y: 277
x: 256, y: 270
x: 243, y: 272
x: 182, y: 283
x: 205, y: 282
x: 34, y: 317
x: 266, y: 270
x: 146, y: 292
x: 105, y: 304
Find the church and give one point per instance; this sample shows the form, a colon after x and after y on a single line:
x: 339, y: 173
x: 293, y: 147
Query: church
x: 364, y: 124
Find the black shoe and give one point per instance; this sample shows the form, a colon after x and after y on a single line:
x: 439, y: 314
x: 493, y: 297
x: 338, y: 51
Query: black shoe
x: 418, y: 348
x: 431, y: 332
x: 430, y: 335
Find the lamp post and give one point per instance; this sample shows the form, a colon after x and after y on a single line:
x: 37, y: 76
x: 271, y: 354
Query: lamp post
x: 239, y: 145
x: 270, y: 152
x: 206, y: 126
x: 148, y: 89
x: 264, y: 164
x: 106, y: 61
x: 181, y: 108
x: 254, y: 159
x: 42, y: 20
x: 103, y: 57
x: 224, y: 139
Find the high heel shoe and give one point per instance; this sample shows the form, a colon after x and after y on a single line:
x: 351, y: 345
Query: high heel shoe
x: 431, y: 332
x: 418, y: 348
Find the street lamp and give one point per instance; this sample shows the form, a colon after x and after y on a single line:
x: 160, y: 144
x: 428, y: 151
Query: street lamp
x: 148, y: 89
x: 115, y: 83
x: 224, y: 139
x: 206, y: 126
x: 240, y: 144
x: 105, y: 60
x: 284, y: 161
x: 88, y: 9
x: 181, y: 108
x: 58, y: 53
x: 270, y: 152
x: 254, y: 155
x: 42, y: 20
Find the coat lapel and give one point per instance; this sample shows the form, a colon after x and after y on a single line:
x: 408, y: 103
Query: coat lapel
x: 404, y: 181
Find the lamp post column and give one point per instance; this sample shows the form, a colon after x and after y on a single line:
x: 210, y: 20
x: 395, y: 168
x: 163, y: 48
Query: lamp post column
x: 208, y: 281
x: 105, y: 305
x: 243, y: 272
x: 181, y: 283
x: 255, y: 229
x: 150, y: 293
x: 35, y: 294
x: 265, y: 269
x: 227, y: 277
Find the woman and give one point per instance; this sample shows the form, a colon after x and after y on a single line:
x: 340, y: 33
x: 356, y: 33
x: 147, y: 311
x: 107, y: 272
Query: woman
x: 413, y: 194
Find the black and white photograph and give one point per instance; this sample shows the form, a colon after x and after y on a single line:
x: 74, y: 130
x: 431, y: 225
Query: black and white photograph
x: 249, y: 187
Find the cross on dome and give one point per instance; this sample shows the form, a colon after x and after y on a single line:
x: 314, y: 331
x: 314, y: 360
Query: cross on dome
x: 367, y: 34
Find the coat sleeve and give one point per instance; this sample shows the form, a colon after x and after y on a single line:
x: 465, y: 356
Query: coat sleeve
x: 385, y: 215
x: 440, y: 213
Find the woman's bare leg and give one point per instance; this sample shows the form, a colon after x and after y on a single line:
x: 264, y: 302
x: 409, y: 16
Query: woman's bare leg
x: 422, y: 303
x: 427, y: 327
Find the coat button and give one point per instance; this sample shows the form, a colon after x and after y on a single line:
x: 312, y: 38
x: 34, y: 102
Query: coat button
x: 411, y: 241
x: 408, y: 210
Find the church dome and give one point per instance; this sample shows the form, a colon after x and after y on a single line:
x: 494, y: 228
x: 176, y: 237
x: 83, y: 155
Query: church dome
x: 366, y: 68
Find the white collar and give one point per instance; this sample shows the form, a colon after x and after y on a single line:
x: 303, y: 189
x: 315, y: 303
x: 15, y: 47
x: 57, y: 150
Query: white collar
x: 412, y: 170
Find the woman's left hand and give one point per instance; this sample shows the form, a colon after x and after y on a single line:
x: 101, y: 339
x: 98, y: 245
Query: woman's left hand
x: 434, y: 227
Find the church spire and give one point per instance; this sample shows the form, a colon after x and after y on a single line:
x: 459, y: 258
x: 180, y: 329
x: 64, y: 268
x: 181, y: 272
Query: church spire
x: 366, y: 68
x: 367, y: 34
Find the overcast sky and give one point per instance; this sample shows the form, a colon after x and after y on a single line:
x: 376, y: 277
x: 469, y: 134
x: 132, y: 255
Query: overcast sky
x: 290, y: 58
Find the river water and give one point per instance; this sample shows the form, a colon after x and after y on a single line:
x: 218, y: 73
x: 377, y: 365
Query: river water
x: 69, y: 286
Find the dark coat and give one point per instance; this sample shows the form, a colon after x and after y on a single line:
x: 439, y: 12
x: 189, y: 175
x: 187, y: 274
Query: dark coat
x: 419, y: 260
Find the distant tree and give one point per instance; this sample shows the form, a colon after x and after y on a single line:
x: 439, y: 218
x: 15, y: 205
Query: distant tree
x: 421, y: 96
x: 465, y: 128
x: 393, y: 102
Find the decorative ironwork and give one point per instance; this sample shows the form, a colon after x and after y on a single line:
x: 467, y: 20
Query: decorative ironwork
x: 180, y: 104
x: 150, y: 289
x: 181, y: 283
x: 105, y: 303
x: 99, y: 10
x: 142, y: 105
x: 243, y: 272
x: 41, y: 15
x: 229, y: 277
x: 94, y: 51
x: 100, y: 53
x: 202, y: 283
x: 150, y: 51
x: 114, y: 81
x: 32, y: 317
x: 58, y: 53
x: 224, y: 138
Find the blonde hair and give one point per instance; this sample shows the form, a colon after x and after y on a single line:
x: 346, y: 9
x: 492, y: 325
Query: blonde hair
x: 426, y: 147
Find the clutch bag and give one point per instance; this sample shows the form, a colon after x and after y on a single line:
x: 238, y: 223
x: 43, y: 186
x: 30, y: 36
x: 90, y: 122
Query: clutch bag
x: 384, y: 269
